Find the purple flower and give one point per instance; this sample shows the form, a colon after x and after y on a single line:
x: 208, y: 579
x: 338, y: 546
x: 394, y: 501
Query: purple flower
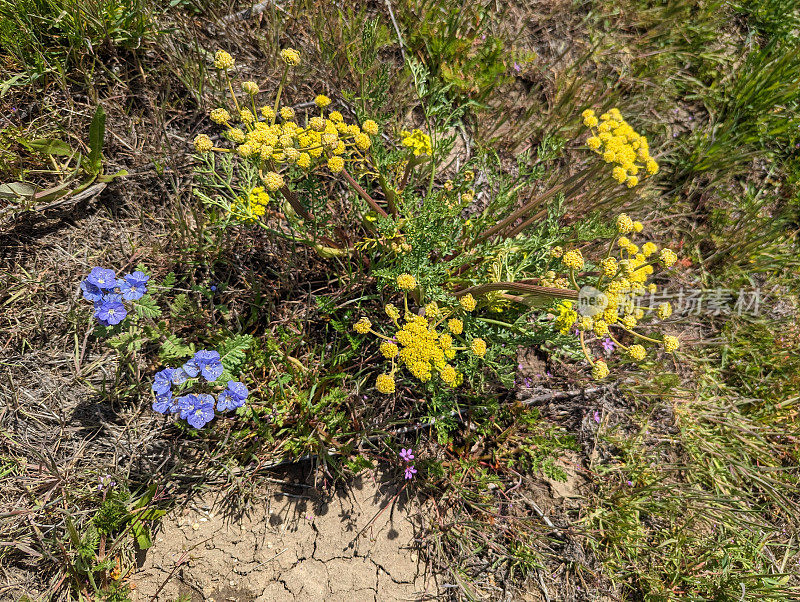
x: 517, y: 67
x: 179, y: 376
x: 90, y: 291
x: 134, y: 286
x: 597, y: 416
x: 233, y: 396
x: 608, y: 344
x: 102, y: 278
x: 410, y: 472
x: 406, y: 455
x: 162, y: 381
x: 110, y: 313
x: 197, y: 410
x: 206, y: 363
x: 164, y: 403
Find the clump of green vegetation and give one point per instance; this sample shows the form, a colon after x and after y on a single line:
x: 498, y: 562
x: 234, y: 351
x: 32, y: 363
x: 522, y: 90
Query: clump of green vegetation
x: 420, y: 241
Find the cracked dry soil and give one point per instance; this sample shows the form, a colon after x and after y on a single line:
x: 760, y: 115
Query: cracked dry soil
x: 291, y: 547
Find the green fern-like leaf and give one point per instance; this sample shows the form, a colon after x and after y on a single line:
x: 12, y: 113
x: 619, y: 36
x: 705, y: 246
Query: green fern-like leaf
x: 146, y: 307
x: 174, y: 348
x: 233, y: 354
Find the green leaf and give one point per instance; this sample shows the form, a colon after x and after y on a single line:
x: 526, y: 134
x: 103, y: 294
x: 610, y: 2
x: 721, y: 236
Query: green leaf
x: 140, y: 528
x: 16, y: 190
x: 97, y: 132
x: 233, y: 352
x: 174, y: 348
x: 50, y: 146
x: 146, y: 307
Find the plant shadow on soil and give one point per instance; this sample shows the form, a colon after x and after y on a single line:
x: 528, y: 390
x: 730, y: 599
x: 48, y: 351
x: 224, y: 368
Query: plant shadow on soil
x: 291, y: 541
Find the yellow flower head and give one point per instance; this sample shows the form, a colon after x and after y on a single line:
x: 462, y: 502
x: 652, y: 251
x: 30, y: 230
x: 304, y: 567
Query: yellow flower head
x: 468, y: 302
x: 631, y: 181
x: 203, y: 144
x: 385, y: 384
x: 478, y: 347
x: 449, y: 375
x: 336, y: 117
x: 432, y: 310
x: 290, y: 56
x: 304, y: 161
x: 638, y: 227
x: 322, y: 101
x: 418, y: 141
x: 392, y: 311
x: 600, y: 370
x: 223, y: 60
x: 220, y: 116
x: 609, y: 266
x: 664, y: 311
x: 246, y: 116
x: 335, y: 164
x: 670, y: 343
x: 362, y: 141
x: 624, y: 224
x: 455, y: 325
x: 406, y: 282
x: 667, y: 257
x: 273, y: 180
x: 370, y: 127
x: 593, y: 142
x: 250, y: 88
x: 648, y: 249
x: 268, y: 113
x: 637, y: 353
x: 573, y: 259
x: 287, y: 113
x: 362, y: 326
x: 600, y: 328
x: 389, y: 349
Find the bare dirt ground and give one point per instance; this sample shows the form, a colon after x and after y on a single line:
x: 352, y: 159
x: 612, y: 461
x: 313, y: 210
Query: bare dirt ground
x: 358, y: 544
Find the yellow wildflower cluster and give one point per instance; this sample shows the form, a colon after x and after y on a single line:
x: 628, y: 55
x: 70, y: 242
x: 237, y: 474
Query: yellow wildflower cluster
x: 253, y: 206
x: 622, y: 295
x: 418, y: 141
x: 423, y: 344
x: 566, y: 318
x: 618, y: 143
x: 274, y: 137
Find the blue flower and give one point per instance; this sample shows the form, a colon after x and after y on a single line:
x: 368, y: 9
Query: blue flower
x: 197, y: 410
x: 162, y: 381
x: 110, y: 313
x: 134, y: 286
x: 164, y: 403
x: 102, y: 278
x: 90, y: 291
x: 232, y: 397
x: 206, y: 363
x: 179, y: 376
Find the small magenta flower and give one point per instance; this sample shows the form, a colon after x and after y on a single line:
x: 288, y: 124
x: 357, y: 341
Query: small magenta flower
x: 110, y: 313
x: 233, y: 396
x: 206, y: 363
x: 133, y: 286
x: 102, y: 278
x: 410, y: 472
x: 608, y: 344
x: 406, y: 455
x: 162, y: 381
